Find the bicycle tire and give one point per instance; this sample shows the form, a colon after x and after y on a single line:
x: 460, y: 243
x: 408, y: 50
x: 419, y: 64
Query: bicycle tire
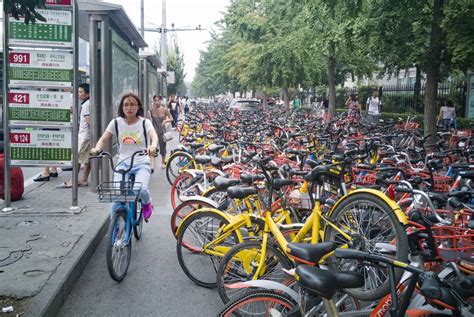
x: 138, y: 227
x: 203, y: 273
x: 181, y: 183
x: 231, y: 270
x: 277, y: 301
x: 219, y: 196
x: 181, y: 211
x: 385, y: 221
x: 118, y: 236
x: 178, y: 160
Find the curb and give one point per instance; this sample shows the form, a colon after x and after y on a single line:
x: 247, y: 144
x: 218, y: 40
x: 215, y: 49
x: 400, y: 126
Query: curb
x: 50, y: 299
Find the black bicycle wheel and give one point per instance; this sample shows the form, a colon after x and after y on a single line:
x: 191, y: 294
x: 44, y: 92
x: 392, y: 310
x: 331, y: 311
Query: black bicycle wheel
x: 119, y: 248
x: 138, y: 227
x: 260, y: 303
x: 374, y: 228
x: 177, y: 162
x: 240, y: 265
x: 197, y: 231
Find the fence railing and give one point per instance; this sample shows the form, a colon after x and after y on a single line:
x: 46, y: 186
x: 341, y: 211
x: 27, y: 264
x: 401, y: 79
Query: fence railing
x: 401, y: 98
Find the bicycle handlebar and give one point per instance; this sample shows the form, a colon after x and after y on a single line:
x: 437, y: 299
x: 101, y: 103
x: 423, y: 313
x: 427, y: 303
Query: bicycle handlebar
x: 103, y: 154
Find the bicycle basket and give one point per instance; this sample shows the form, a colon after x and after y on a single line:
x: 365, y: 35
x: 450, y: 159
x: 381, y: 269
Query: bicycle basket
x: 454, y: 242
x: 442, y: 183
x: 363, y: 176
x: 112, y: 192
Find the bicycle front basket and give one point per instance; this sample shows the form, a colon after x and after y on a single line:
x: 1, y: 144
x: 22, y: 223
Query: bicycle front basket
x: 118, y: 191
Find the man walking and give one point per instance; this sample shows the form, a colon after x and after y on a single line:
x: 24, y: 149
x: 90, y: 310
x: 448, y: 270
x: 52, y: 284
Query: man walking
x: 372, y: 109
x: 84, y: 142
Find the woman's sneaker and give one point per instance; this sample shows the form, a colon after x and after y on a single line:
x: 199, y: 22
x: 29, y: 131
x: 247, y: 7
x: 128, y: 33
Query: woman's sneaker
x: 147, y: 211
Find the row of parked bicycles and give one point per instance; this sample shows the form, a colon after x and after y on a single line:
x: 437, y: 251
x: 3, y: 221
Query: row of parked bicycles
x: 288, y: 215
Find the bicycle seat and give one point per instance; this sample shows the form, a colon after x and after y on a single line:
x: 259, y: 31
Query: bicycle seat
x: 222, y: 183
x: 200, y: 135
x: 326, y: 283
x: 311, y: 163
x: 202, y: 159
x: 216, y: 162
x: 250, y: 178
x: 279, y: 183
x: 309, y: 253
x: 214, y: 148
x: 196, y: 145
x: 227, y: 159
x: 323, y: 171
x: 240, y: 192
x: 338, y: 157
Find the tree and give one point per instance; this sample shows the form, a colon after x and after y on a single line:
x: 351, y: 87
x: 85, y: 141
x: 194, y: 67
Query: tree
x: 175, y: 63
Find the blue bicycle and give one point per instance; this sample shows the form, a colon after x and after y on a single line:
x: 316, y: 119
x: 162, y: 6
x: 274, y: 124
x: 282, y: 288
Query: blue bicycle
x: 126, y: 214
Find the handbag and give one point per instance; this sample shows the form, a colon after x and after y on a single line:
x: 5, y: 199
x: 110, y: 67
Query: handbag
x: 168, y: 134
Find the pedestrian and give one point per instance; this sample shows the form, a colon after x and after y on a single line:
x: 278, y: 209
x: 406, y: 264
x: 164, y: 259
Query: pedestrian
x: 296, y: 103
x: 447, y: 115
x: 46, y: 174
x: 352, y: 103
x: 84, y: 138
x: 160, y: 117
x: 373, y: 108
x: 173, y: 107
x: 133, y: 131
x: 186, y: 105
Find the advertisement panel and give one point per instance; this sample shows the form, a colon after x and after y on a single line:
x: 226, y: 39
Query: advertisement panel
x: 55, y: 32
x: 40, y: 147
x: 40, y: 68
x: 46, y: 108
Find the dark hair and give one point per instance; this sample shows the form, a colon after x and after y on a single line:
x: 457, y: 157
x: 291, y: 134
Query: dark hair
x: 353, y: 97
x: 85, y: 87
x: 157, y: 96
x: 130, y: 95
x: 448, y: 103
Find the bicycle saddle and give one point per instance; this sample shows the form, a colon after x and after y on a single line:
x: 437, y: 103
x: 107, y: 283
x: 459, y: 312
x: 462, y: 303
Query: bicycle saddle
x: 323, y: 171
x: 467, y: 174
x: 202, y: 159
x: 326, y: 283
x: 222, y: 183
x: 214, y: 148
x: 196, y: 145
x: 309, y: 253
x: 216, y: 162
x: 239, y: 192
x: 250, y: 178
x: 279, y: 183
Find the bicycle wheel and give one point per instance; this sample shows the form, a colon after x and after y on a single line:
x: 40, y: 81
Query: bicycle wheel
x: 138, y: 227
x: 119, y: 248
x: 219, y: 196
x: 178, y: 162
x: 182, y: 187
x: 259, y: 303
x: 196, y: 232
x: 374, y: 228
x: 184, y: 209
x: 241, y: 262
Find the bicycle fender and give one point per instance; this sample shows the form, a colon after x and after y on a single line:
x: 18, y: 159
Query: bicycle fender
x: 266, y: 284
x: 205, y: 210
x: 203, y: 199
x: 392, y: 204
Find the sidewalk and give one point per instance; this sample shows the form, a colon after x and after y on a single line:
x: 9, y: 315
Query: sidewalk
x: 44, y: 246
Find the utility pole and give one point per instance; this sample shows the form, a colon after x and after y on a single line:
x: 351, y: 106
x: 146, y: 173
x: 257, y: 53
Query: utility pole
x: 142, y: 20
x: 164, y: 47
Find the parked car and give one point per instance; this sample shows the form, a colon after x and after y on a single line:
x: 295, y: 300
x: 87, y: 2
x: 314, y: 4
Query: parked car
x: 245, y: 105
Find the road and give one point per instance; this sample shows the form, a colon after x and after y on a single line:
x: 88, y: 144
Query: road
x: 155, y: 284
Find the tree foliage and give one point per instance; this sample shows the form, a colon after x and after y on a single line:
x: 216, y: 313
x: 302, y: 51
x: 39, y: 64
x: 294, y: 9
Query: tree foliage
x: 175, y: 63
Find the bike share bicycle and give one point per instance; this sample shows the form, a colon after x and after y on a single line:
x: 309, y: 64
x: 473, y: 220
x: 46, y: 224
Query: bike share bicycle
x: 126, y: 214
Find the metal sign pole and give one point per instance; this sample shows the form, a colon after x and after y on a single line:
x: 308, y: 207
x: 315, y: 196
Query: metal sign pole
x: 6, y: 128
x: 75, y: 127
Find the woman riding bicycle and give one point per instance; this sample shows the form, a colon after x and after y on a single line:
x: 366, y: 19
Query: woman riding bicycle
x: 132, y: 130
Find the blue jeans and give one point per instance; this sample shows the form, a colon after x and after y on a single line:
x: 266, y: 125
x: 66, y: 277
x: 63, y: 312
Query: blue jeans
x: 142, y: 174
x: 448, y: 123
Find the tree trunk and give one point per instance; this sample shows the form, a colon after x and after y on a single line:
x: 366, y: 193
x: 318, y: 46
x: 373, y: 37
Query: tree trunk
x: 416, y: 91
x: 253, y: 92
x: 286, y: 97
x: 332, y: 82
x: 432, y: 71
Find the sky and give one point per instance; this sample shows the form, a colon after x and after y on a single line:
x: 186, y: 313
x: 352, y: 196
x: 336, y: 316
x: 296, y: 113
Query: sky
x: 183, y: 13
